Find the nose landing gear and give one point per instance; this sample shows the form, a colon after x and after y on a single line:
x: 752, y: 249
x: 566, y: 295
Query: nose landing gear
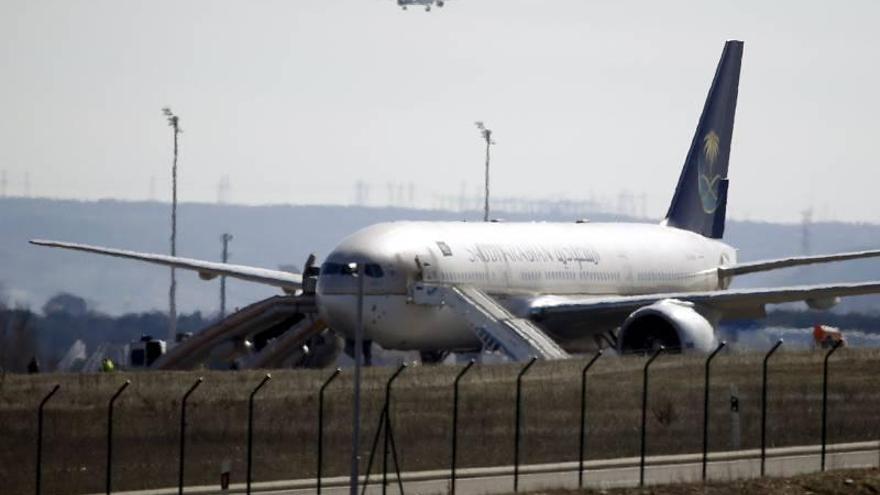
x: 433, y: 357
x: 367, y: 350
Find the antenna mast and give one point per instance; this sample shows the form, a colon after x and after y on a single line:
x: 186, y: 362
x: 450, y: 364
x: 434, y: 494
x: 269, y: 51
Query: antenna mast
x: 174, y: 122
x: 225, y: 238
x: 487, y: 135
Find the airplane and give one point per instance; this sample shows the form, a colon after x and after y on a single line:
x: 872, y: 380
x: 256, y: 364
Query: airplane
x: 425, y: 3
x: 550, y: 289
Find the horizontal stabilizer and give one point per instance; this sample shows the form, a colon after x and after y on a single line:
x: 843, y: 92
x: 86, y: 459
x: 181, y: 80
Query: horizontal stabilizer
x: 767, y: 265
x: 206, y: 269
x: 733, y: 302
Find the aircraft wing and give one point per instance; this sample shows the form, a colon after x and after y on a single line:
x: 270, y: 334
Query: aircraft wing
x: 766, y: 265
x: 206, y: 269
x: 736, y: 303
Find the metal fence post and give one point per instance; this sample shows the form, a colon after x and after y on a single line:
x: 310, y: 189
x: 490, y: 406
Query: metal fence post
x: 388, y: 432
x: 321, y: 426
x: 517, y: 426
x: 40, y: 437
x: 764, y: 406
x: 645, y: 413
x: 584, y: 417
x: 183, y: 433
x: 825, y: 398
x: 250, y: 430
x: 110, y: 432
x: 380, y: 428
x: 706, y: 408
x: 455, y: 423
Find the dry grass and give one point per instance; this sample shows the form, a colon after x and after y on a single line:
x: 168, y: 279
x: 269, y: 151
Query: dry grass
x: 146, y: 429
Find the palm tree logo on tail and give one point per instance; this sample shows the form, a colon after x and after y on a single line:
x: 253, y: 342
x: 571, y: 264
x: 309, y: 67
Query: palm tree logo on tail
x: 708, y: 177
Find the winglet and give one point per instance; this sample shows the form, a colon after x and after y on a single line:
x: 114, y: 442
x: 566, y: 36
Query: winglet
x: 767, y: 265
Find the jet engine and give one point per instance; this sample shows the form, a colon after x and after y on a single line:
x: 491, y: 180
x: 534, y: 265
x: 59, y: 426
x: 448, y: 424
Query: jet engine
x: 823, y: 303
x: 674, y: 324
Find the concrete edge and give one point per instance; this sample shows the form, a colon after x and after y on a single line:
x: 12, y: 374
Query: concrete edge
x: 563, y: 467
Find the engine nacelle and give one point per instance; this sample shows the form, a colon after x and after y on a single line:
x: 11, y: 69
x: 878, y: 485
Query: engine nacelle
x: 674, y: 324
x: 823, y: 303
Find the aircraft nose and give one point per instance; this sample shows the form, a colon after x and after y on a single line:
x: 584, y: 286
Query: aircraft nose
x: 340, y: 275
x: 339, y: 311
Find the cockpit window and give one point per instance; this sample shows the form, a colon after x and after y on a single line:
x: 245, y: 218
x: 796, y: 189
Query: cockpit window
x: 333, y: 269
x: 370, y: 269
x: 373, y: 270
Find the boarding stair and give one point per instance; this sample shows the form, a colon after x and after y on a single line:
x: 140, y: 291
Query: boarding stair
x: 289, y: 344
x: 281, y: 314
x: 495, y: 326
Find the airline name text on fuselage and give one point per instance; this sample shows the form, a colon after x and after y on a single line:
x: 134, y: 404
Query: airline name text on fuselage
x: 496, y: 253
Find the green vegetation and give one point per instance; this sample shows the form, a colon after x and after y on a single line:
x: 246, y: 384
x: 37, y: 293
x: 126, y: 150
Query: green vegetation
x: 285, y: 421
x: 67, y: 318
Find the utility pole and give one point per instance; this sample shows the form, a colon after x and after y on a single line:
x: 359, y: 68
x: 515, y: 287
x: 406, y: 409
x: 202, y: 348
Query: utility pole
x: 462, y: 197
x: 225, y: 238
x: 487, y: 135
x: 360, y: 270
x: 223, y: 186
x: 806, y: 227
x: 174, y: 122
x: 390, y: 187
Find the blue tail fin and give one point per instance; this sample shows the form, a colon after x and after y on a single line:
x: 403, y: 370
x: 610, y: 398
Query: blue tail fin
x: 700, y: 199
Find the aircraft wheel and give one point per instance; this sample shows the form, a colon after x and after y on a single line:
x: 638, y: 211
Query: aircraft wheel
x: 432, y: 357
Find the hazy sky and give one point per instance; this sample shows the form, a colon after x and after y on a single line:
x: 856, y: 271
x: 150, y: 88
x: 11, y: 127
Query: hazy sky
x: 295, y: 100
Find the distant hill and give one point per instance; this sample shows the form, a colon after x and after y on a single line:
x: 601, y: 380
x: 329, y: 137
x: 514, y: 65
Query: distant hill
x: 277, y: 235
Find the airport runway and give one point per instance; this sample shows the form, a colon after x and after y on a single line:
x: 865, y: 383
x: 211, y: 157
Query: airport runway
x: 786, y: 461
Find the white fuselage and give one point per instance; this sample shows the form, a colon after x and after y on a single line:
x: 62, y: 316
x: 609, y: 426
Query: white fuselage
x: 514, y: 262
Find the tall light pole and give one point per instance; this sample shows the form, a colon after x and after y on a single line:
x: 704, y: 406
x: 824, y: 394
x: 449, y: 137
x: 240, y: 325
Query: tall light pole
x: 360, y: 270
x: 225, y: 238
x: 174, y: 122
x: 487, y: 135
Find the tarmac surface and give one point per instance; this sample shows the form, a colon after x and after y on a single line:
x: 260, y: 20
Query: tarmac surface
x: 780, y: 462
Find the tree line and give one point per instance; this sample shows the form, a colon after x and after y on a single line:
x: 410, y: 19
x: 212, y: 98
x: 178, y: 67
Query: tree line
x: 66, y: 318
